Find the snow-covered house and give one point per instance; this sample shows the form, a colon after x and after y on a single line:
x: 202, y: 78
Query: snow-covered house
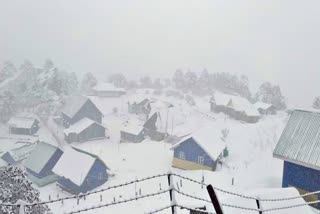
x: 299, y: 148
x: 80, y: 171
x: 139, y: 105
x: 84, y: 130
x: 103, y: 89
x: 265, y: 108
x: 234, y: 106
x: 201, y: 150
x: 131, y: 133
x: 23, y: 125
x: 17, y: 155
x: 77, y: 108
x: 40, y: 163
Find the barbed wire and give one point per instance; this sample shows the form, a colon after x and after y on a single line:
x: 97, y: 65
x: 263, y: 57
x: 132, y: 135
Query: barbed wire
x: 89, y: 193
x: 120, y: 202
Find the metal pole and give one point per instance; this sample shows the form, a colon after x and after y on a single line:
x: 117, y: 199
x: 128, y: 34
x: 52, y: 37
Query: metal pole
x: 215, y: 200
x: 171, y: 192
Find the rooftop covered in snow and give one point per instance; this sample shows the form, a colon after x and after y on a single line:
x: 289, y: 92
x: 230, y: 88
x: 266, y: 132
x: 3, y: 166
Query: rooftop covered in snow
x: 73, y: 105
x: 80, y: 126
x: 21, y: 122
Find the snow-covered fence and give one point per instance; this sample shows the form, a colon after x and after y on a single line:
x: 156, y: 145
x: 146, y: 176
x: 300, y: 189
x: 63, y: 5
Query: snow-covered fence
x: 172, y: 190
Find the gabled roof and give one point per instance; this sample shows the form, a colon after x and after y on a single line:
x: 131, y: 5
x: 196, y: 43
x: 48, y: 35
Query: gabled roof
x: 131, y: 128
x: 209, y: 139
x: 74, y: 165
x: 239, y: 104
x: 103, y: 86
x: 300, y: 140
x: 73, y: 105
x: 262, y: 105
x: 80, y: 126
x: 40, y: 156
x: 21, y: 122
x: 20, y: 153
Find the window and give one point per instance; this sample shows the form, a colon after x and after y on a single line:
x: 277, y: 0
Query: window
x: 182, y: 155
x: 201, y: 160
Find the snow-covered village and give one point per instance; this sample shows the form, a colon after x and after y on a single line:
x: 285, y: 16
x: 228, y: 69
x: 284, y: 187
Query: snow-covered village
x: 173, y: 107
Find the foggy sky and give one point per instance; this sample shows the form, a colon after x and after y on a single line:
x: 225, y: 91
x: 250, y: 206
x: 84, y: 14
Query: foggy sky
x: 274, y: 40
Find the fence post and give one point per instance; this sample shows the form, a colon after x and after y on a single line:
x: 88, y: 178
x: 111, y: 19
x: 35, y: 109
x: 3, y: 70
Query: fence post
x: 259, y: 206
x: 21, y: 204
x: 171, y: 192
x: 215, y: 200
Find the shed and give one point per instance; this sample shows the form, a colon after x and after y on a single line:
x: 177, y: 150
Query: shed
x: 265, y: 108
x: 91, y: 173
x: 201, y: 150
x: 40, y: 163
x: 234, y: 106
x: 84, y: 130
x: 139, y: 106
x: 103, y: 89
x: 299, y: 148
x: 77, y: 108
x: 17, y: 155
x: 132, y: 133
x: 23, y: 125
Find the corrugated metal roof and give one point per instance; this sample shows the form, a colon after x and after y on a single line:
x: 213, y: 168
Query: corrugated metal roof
x: 40, y: 156
x: 300, y: 140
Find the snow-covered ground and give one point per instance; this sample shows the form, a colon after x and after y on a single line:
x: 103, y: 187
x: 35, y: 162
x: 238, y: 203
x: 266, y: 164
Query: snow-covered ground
x: 250, y: 163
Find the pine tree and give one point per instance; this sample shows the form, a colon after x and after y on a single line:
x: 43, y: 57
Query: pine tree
x: 14, y: 186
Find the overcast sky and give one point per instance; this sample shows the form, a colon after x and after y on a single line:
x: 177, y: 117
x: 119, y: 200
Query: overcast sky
x: 274, y: 40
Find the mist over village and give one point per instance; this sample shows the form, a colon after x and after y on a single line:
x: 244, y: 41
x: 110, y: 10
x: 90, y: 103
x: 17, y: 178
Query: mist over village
x: 173, y: 107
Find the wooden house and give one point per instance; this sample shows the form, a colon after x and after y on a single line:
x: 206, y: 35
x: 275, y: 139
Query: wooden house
x: 40, y: 163
x: 236, y: 107
x: 265, y: 108
x: 139, y: 106
x: 84, y: 130
x: 17, y: 155
x: 107, y: 90
x: 201, y: 150
x: 23, y: 125
x: 77, y: 108
x: 91, y: 173
x: 131, y: 133
x: 299, y: 147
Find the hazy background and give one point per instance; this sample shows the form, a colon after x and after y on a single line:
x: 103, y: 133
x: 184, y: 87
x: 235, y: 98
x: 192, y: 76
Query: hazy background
x: 274, y: 40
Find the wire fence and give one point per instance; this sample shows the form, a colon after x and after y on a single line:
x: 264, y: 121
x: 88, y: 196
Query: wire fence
x: 174, y: 204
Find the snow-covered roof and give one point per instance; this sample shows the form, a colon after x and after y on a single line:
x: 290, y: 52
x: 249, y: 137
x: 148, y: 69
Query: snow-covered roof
x: 209, y: 139
x: 132, y: 128
x: 238, y: 103
x: 103, y: 86
x: 40, y: 156
x: 74, y: 165
x: 137, y: 99
x: 262, y: 105
x: 22, y: 152
x: 299, y: 142
x: 80, y: 126
x: 73, y: 105
x: 159, y: 104
x: 21, y: 122
x: 3, y: 163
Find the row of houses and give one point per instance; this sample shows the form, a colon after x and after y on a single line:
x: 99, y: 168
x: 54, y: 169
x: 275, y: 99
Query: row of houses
x: 239, y: 108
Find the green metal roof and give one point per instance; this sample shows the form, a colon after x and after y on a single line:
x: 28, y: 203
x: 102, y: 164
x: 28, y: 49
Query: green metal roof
x: 40, y: 156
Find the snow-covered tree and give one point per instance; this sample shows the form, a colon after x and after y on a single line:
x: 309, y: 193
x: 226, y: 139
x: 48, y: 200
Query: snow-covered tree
x: 118, y: 79
x: 269, y: 93
x: 88, y: 82
x: 190, y: 79
x: 14, y: 186
x: 8, y: 70
x: 178, y: 79
x: 146, y: 82
x: 316, y: 103
x: 7, y: 106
